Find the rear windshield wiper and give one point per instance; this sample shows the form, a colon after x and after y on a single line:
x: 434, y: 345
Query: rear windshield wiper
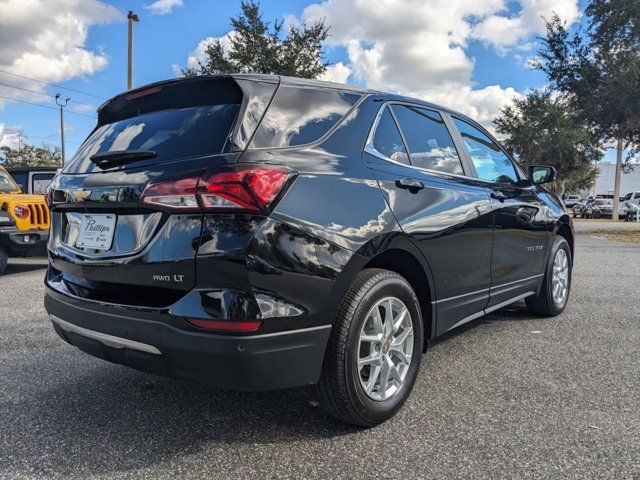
x: 120, y: 157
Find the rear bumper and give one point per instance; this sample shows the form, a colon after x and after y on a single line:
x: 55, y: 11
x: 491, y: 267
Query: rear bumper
x: 21, y: 242
x: 255, y: 362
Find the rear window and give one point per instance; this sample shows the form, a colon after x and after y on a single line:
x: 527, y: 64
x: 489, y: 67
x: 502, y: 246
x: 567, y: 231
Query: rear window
x: 301, y: 115
x: 173, y: 134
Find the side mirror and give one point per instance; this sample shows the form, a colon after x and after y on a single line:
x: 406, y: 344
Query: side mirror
x: 539, y: 174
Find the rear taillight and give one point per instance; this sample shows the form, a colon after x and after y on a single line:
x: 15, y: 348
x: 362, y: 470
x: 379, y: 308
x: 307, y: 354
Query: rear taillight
x: 225, y: 325
x: 228, y: 188
x: 21, y: 211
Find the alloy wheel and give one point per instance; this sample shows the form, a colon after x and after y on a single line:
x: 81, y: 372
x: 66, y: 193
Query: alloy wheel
x: 385, y: 347
x: 560, y: 277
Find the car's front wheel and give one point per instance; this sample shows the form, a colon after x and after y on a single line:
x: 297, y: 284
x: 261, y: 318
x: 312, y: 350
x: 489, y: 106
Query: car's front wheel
x: 374, y: 352
x: 556, y: 285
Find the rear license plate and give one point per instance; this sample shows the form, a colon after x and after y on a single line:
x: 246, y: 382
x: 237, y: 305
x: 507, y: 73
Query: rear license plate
x: 96, y: 231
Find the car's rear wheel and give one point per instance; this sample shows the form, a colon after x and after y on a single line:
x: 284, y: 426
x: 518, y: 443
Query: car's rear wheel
x: 4, y: 258
x: 557, y: 282
x: 374, y: 352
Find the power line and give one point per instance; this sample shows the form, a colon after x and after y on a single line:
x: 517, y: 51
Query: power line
x: 53, y: 85
x: 44, y: 94
x: 48, y: 140
x: 45, y: 106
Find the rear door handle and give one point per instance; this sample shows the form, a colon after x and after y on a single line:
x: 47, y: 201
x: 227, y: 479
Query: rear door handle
x: 410, y: 184
x: 498, y: 195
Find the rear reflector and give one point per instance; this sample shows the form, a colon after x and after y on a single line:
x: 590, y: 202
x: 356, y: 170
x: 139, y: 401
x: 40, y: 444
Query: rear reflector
x: 227, y: 188
x: 225, y: 326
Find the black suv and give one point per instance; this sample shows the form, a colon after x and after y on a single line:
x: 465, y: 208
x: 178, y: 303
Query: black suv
x: 261, y: 232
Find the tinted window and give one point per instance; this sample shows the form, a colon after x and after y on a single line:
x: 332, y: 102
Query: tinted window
x: 172, y: 134
x: 40, y: 182
x: 428, y: 140
x: 301, y: 115
x: 21, y: 179
x: 387, y: 139
x: 491, y: 163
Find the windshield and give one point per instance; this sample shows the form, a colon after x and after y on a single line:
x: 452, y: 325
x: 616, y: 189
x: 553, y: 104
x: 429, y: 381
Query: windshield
x: 7, y: 185
x: 602, y: 202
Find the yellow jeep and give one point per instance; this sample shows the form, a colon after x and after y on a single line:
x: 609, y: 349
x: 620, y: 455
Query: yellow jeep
x: 24, y: 221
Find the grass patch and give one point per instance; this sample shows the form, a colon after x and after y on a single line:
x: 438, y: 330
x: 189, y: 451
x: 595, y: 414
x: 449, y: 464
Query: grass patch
x: 629, y: 235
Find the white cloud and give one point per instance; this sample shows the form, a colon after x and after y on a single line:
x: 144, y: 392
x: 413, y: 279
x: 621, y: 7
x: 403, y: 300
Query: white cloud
x: 199, y: 53
x: 45, y: 39
x: 338, y: 73
x: 505, y: 31
x: 419, y: 47
x: 9, y: 135
x: 163, y: 7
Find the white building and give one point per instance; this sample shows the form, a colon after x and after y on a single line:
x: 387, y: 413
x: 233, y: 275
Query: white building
x: 629, y: 182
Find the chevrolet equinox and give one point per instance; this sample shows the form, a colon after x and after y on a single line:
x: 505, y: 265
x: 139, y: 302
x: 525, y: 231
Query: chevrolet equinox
x: 260, y: 232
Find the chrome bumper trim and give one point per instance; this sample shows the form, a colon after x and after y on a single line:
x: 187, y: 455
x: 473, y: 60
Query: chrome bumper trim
x: 109, y: 340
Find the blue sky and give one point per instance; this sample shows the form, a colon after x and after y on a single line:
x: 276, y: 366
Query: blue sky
x: 470, y: 57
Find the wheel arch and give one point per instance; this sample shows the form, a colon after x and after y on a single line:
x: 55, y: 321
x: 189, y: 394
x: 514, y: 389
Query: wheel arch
x: 564, y: 228
x: 396, y: 253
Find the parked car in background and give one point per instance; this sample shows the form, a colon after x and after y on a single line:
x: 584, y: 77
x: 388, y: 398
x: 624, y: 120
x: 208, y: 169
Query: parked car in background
x: 570, y: 200
x: 598, y: 208
x: 261, y: 232
x: 631, y: 198
x: 578, y: 208
x: 33, y: 180
x: 24, y: 221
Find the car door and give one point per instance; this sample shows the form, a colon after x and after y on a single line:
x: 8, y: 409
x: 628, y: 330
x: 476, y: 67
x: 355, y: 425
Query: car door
x: 443, y: 211
x: 522, y: 220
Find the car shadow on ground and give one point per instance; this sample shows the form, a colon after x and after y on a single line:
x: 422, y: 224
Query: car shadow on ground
x: 516, y: 312
x: 20, y: 266
x: 142, y: 420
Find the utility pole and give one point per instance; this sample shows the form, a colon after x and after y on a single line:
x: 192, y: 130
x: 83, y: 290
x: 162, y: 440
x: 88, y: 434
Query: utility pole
x: 616, y: 185
x: 132, y: 17
x: 62, y: 103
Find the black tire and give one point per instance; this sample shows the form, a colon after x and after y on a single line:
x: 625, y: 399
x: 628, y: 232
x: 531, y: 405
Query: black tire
x: 340, y: 391
x: 544, y: 304
x: 4, y: 258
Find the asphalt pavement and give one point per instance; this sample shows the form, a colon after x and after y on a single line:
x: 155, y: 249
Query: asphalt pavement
x: 508, y: 396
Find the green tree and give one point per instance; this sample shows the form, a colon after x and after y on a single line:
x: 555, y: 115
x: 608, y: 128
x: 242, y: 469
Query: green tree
x: 261, y: 47
x: 542, y: 129
x: 598, y: 68
x: 30, y: 156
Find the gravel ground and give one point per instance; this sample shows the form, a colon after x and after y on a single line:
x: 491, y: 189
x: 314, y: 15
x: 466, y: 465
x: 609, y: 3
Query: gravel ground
x: 510, y: 396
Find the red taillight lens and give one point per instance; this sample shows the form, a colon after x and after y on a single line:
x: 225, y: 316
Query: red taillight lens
x: 21, y: 211
x: 246, y: 188
x: 174, y: 195
x: 227, y: 188
x: 224, y: 325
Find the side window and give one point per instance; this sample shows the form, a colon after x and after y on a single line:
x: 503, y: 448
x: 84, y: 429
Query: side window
x: 40, y: 182
x: 21, y: 179
x: 428, y: 140
x: 387, y: 140
x: 491, y: 163
x: 301, y: 115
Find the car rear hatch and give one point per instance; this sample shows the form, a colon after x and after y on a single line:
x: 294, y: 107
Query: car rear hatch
x: 109, y: 242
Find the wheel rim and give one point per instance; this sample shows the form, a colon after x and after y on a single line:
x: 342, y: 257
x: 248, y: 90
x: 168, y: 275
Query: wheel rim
x: 385, y: 348
x: 560, y: 282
